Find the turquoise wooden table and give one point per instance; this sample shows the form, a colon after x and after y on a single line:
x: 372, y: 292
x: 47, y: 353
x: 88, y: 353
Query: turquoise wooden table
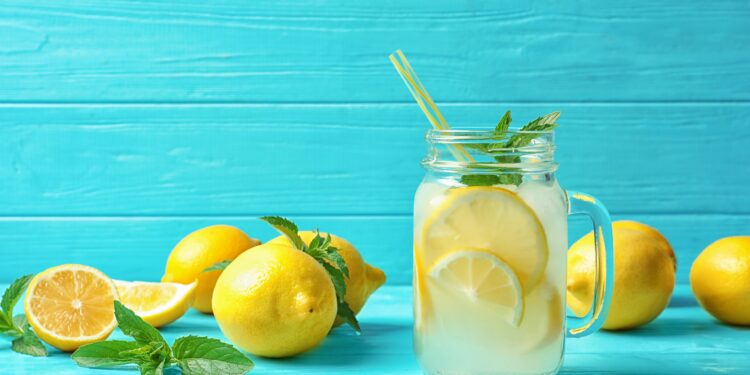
x: 683, y: 340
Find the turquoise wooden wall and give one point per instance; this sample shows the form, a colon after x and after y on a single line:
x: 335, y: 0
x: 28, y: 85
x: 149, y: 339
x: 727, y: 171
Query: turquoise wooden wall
x: 124, y: 125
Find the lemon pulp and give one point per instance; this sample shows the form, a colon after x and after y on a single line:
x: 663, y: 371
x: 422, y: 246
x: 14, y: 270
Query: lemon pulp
x: 482, y: 277
x: 71, y: 305
x: 156, y: 303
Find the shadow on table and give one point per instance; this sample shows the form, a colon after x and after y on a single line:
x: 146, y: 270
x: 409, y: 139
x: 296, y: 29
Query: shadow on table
x: 344, y: 347
x: 683, y: 301
x: 679, y: 326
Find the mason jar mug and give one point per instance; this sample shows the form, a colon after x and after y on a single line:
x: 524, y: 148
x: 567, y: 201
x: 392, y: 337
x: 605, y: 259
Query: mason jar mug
x: 490, y: 243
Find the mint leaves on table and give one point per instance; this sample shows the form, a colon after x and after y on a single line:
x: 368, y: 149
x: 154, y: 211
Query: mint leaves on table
x: 194, y: 355
x: 517, y: 140
x: 25, y: 341
x: 321, y: 250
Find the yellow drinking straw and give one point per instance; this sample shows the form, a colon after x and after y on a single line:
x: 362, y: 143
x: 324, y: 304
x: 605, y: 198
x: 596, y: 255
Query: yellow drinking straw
x: 419, y: 92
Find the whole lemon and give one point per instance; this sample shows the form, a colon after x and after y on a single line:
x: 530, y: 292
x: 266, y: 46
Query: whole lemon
x: 200, y: 250
x: 363, y: 279
x: 645, y: 268
x: 720, y: 279
x: 275, y: 301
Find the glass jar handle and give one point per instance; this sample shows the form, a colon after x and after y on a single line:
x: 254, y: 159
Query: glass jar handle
x: 581, y: 203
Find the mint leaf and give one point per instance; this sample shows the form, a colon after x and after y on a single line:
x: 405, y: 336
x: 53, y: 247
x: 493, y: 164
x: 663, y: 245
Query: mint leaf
x: 152, y: 368
x: 544, y: 123
x: 132, y: 325
x: 29, y: 344
x: 287, y: 228
x: 480, y: 179
x: 107, y: 353
x: 320, y: 248
x: 502, y: 127
x: 333, y: 256
x: 347, y: 315
x: 20, y: 321
x: 153, y: 352
x: 328, y: 256
x: 8, y: 329
x: 218, y: 266
x: 318, y: 242
x: 13, y: 294
x: 343, y: 310
x: 517, y: 140
x: 194, y: 355
x: 510, y: 179
x: 337, y: 278
x: 206, y: 356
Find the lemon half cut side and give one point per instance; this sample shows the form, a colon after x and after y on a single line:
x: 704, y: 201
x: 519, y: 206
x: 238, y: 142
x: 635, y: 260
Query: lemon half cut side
x: 71, y: 305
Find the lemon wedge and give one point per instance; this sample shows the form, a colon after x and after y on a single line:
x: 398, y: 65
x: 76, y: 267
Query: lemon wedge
x: 494, y: 220
x: 156, y: 303
x: 482, y: 277
x: 71, y: 305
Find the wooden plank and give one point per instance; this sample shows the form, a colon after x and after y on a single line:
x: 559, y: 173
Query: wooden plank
x: 683, y: 340
x: 347, y: 159
x: 136, y: 248
x: 293, y: 51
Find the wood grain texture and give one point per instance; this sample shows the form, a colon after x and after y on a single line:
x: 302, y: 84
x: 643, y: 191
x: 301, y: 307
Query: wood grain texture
x: 683, y: 340
x: 136, y: 248
x: 335, y: 51
x: 347, y: 159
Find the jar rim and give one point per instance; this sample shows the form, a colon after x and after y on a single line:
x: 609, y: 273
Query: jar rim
x: 536, y: 156
x: 476, y: 134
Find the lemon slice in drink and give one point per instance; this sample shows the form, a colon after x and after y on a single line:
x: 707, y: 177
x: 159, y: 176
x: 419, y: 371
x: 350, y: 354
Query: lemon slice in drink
x: 495, y: 220
x: 71, y: 305
x: 156, y: 303
x: 482, y: 278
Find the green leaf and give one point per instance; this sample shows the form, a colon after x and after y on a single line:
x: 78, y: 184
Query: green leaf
x: 319, y: 242
x: 107, y: 353
x: 332, y: 255
x: 132, y: 325
x: 510, y: 179
x: 152, y: 368
x: 508, y: 159
x: 29, y: 344
x: 337, y: 277
x: 320, y: 248
x: 8, y: 329
x: 218, y: 266
x: 287, y: 228
x: 347, y: 315
x: 503, y: 125
x: 541, y: 124
x: 206, y: 356
x: 13, y: 294
x: 20, y: 321
x: 480, y: 179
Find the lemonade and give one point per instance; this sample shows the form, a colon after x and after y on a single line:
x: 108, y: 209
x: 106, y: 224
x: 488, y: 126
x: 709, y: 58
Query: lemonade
x: 459, y: 332
x: 490, y: 244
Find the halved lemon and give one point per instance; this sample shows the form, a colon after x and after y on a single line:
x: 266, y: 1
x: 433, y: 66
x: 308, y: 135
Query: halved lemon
x: 71, y: 305
x: 482, y: 277
x: 156, y: 303
x: 492, y: 219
